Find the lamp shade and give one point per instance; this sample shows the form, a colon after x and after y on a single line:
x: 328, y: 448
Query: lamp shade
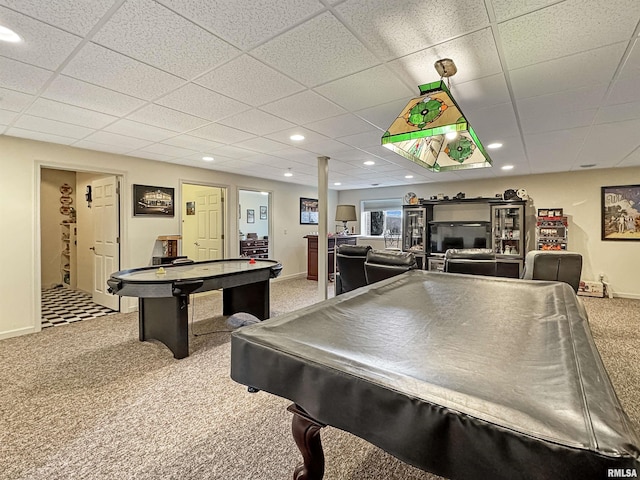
x: 419, y: 133
x: 346, y: 213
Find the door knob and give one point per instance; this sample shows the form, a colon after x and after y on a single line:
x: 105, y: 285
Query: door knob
x: 196, y: 244
x: 92, y: 248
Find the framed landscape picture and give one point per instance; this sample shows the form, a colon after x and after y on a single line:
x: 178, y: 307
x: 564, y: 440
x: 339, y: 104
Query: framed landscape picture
x: 621, y: 213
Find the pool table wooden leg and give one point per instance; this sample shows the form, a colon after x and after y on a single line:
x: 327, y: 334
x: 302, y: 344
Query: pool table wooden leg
x: 306, y: 433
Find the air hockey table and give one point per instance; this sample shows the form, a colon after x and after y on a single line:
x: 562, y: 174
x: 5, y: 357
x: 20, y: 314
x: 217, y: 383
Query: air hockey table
x: 467, y: 377
x: 164, y: 291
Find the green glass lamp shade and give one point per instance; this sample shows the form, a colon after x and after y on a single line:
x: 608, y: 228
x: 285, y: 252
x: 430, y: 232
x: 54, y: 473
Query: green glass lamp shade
x: 419, y: 133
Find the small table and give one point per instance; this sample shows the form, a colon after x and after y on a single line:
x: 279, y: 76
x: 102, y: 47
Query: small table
x: 164, y: 297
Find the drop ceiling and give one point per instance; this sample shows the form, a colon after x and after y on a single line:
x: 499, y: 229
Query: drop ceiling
x: 556, y: 82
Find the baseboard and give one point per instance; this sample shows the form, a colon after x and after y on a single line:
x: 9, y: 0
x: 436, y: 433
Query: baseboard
x: 632, y: 296
x: 17, y: 332
x: 290, y: 276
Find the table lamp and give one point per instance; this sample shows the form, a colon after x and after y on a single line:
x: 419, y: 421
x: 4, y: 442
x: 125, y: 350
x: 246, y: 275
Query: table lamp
x: 344, y: 214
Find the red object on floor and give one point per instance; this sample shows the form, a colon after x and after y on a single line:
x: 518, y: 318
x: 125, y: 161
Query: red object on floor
x: 252, y: 261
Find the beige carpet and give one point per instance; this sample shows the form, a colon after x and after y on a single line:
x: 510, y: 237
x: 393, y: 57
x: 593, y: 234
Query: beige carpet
x: 88, y: 400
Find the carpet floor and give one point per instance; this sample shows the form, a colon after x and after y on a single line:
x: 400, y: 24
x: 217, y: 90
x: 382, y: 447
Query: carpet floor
x: 90, y: 401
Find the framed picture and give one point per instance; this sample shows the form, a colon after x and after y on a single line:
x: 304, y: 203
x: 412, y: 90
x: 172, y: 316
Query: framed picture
x: 543, y: 212
x: 148, y: 200
x: 251, y: 215
x: 191, y: 208
x: 308, y: 211
x: 620, y: 212
x: 263, y: 212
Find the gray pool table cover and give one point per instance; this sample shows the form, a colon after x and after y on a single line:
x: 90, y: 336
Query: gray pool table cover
x: 464, y: 376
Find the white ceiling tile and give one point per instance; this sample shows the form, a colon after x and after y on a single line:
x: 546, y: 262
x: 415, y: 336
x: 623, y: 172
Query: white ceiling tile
x: 39, y: 135
x: 493, y: 121
x: 68, y: 113
x: 21, y: 77
x: 299, y: 54
x: 481, y: 93
x: 341, y: 125
x: 52, y: 127
x: 631, y: 67
x: 326, y: 147
x: 71, y: 15
x: 257, y: 122
x: 631, y: 160
x: 155, y: 35
x: 75, y: 92
x: 14, y: 101
x: 139, y: 130
x: 475, y: 56
x: 363, y: 140
x: 576, y: 71
x: 163, y: 117
x: 303, y: 108
x: 102, y: 147
x: 364, y: 89
x: 193, y: 143
x: 168, y: 150
x: 558, y: 112
x: 610, y: 143
x: 262, y: 145
x: 578, y: 99
x: 117, y: 139
x: 250, y: 81
x: 567, y: 28
x: 231, y: 151
x: 394, y: 28
x: 245, y: 23
x: 43, y: 46
x: 150, y: 155
x: 544, y: 149
x: 505, y: 9
x: 104, y: 67
x: 618, y: 113
x: 6, y: 117
x: 624, y: 91
x: 202, y: 102
x: 220, y: 133
x: 294, y: 154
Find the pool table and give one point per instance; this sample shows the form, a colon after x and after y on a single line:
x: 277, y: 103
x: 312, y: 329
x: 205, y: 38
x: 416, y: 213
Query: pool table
x: 164, y: 291
x: 463, y: 376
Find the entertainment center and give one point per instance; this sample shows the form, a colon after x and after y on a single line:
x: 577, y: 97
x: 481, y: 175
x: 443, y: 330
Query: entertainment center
x: 433, y: 226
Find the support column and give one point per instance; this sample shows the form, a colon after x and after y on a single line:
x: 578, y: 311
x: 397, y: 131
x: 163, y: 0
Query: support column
x: 323, y: 209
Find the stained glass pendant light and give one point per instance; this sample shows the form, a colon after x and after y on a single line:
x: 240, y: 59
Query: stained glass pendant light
x: 432, y: 130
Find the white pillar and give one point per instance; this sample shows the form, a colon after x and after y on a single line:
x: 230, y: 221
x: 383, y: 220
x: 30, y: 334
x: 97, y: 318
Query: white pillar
x: 323, y: 243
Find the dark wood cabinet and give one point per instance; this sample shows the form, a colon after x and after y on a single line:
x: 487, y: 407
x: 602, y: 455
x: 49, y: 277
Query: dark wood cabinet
x: 254, y: 248
x: 312, y: 252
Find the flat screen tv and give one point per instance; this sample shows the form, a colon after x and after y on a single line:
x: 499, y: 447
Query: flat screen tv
x: 445, y: 235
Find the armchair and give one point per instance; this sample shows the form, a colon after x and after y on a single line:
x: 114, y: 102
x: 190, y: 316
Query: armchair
x: 472, y: 261
x: 350, y: 265
x: 381, y: 264
x: 558, y: 265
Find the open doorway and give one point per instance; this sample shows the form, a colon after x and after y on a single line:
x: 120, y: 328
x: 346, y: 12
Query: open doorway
x: 254, y: 223
x: 79, y: 245
x: 203, y: 222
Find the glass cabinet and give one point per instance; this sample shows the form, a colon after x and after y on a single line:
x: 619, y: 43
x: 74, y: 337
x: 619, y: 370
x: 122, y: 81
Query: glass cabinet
x: 507, y: 225
x: 414, y: 234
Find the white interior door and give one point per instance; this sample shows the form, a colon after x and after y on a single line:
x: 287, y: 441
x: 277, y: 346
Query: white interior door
x: 106, y: 247
x: 209, y: 243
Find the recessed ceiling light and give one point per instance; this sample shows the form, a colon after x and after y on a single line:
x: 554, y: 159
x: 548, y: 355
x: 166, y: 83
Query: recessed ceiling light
x: 8, y: 35
x: 369, y: 162
x: 408, y: 176
x: 494, y: 145
x: 288, y: 174
x: 208, y: 159
x: 297, y: 137
x: 337, y: 184
x: 507, y: 167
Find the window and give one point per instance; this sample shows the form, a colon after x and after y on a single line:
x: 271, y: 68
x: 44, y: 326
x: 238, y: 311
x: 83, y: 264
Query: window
x: 379, y: 216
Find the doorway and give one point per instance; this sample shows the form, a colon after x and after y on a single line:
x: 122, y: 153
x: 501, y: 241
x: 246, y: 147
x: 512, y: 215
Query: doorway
x: 70, y: 275
x: 203, y: 222
x: 254, y: 223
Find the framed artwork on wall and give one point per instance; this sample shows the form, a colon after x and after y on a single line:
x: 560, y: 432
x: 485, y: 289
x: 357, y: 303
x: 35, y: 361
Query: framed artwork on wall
x: 263, y: 212
x: 157, y: 201
x: 251, y: 218
x: 308, y: 211
x: 620, y: 212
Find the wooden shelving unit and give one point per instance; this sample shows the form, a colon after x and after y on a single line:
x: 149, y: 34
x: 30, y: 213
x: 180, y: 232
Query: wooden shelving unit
x: 69, y: 255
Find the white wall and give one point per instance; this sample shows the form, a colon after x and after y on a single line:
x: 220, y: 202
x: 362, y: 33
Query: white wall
x: 577, y: 193
x: 20, y: 162
x: 253, y: 201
